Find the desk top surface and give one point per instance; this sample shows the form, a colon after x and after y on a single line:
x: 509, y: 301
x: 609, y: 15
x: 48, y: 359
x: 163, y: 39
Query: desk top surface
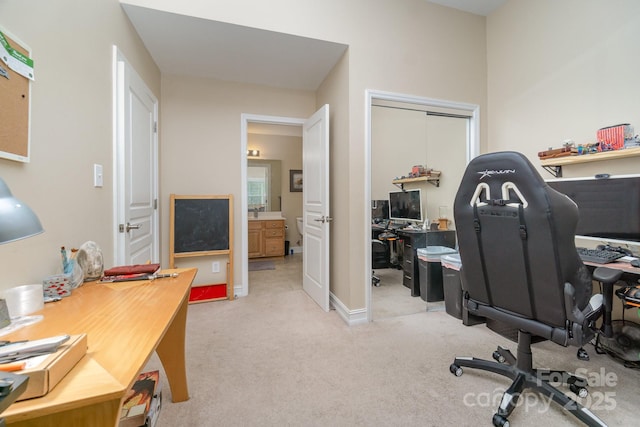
x: 407, y: 230
x: 625, y: 266
x: 124, y: 323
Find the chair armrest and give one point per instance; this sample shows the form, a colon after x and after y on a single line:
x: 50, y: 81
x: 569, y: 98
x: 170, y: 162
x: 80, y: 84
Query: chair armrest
x: 606, y: 275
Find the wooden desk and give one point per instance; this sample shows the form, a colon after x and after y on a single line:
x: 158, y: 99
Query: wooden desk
x: 124, y: 322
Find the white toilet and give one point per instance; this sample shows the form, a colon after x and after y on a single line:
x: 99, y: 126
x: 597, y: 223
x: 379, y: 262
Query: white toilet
x: 300, y: 226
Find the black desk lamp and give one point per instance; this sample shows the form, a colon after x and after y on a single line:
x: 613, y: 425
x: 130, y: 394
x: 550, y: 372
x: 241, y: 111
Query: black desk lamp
x: 17, y: 221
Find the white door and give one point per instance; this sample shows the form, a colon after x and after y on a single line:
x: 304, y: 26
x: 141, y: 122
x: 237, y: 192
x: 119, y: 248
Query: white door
x: 136, y: 168
x: 315, y: 170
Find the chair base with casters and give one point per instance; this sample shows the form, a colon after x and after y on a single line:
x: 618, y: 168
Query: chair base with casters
x: 375, y: 280
x: 524, y: 376
x: 520, y: 369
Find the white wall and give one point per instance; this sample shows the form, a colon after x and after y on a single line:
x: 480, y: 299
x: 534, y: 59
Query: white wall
x: 71, y: 127
x: 402, y: 138
x: 561, y: 70
x: 398, y: 142
x: 200, y: 151
x: 447, y: 152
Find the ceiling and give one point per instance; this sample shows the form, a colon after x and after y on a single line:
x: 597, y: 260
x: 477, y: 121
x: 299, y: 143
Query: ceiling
x: 479, y: 7
x: 204, y: 48
x: 212, y: 49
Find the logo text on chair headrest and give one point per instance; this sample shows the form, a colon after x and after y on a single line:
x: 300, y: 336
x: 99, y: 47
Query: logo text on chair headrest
x: 489, y: 173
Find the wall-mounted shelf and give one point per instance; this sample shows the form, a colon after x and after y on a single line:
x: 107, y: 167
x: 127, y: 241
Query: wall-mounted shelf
x: 433, y: 180
x: 554, y: 166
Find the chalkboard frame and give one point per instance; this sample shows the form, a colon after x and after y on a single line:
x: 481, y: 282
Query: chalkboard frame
x: 212, y: 200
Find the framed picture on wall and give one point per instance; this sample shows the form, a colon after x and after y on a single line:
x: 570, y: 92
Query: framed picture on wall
x: 295, y: 180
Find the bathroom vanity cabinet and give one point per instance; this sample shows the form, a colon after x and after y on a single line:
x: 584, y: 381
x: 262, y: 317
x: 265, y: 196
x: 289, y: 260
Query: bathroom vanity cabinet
x: 266, y: 238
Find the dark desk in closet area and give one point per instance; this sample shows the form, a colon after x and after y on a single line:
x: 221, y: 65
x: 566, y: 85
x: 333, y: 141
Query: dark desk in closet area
x: 402, y: 252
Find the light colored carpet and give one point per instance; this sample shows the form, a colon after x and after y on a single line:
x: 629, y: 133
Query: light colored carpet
x: 393, y: 299
x: 274, y: 358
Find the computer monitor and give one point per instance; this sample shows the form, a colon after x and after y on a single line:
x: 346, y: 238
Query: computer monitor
x: 609, y: 207
x: 405, y: 205
x: 379, y: 210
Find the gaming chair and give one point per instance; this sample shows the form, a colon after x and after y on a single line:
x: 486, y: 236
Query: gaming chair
x: 520, y: 267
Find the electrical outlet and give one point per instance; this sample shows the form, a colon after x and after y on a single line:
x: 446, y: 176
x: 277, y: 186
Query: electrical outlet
x: 215, y: 267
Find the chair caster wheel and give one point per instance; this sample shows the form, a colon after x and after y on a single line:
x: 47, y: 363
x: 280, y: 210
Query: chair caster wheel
x: 582, y: 354
x: 579, y: 391
x: 455, y: 370
x: 500, y: 421
x: 498, y: 357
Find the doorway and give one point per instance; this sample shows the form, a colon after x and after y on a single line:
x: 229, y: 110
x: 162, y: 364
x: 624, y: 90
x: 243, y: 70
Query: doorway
x: 275, y: 131
x: 316, y: 217
x: 437, y: 116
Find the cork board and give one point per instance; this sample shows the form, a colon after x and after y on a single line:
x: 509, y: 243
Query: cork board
x: 14, y: 108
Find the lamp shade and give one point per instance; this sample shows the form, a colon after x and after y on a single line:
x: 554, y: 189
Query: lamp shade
x: 17, y: 220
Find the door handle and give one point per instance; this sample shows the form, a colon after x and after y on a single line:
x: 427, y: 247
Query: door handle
x: 324, y: 219
x: 126, y: 228
x: 130, y: 227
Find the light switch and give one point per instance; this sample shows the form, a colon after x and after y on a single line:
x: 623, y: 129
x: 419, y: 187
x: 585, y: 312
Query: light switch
x: 97, y: 176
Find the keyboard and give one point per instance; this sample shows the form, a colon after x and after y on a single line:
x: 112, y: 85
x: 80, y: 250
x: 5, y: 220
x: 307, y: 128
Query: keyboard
x: 598, y: 256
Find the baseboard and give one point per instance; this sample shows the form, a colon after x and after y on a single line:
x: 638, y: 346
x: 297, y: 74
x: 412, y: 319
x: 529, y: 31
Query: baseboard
x: 351, y: 317
x: 239, y: 291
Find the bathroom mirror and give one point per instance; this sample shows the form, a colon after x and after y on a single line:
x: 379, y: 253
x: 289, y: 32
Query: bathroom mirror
x: 264, y: 182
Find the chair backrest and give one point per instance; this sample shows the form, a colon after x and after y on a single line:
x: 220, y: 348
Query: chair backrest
x: 516, y: 239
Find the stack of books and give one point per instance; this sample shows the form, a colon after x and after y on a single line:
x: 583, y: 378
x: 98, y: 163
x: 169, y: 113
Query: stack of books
x: 142, y: 403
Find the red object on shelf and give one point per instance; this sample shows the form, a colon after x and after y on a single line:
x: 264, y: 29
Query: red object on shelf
x: 613, y: 136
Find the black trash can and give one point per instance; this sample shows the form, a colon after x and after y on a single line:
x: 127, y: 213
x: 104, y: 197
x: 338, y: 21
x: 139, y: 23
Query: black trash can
x: 453, y: 295
x: 451, y: 283
x: 431, y: 288
x: 286, y: 247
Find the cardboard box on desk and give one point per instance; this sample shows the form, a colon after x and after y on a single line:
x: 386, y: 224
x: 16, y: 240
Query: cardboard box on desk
x: 46, y: 375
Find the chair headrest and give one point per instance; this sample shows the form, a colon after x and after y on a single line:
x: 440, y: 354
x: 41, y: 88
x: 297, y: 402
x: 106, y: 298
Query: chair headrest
x: 501, y: 177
